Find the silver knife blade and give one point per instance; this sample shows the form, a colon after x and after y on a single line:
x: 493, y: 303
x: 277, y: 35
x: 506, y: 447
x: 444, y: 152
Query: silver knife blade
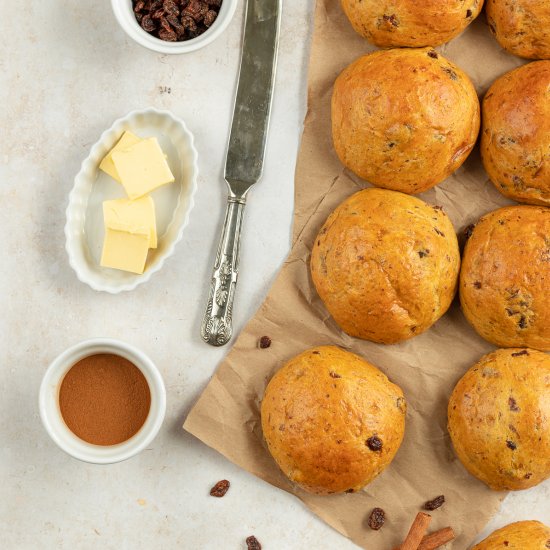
x: 245, y: 153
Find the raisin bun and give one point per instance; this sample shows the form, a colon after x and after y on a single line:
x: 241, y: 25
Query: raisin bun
x: 522, y: 535
x: 404, y: 119
x: 386, y: 265
x: 332, y: 421
x: 505, y: 277
x: 499, y: 419
x: 389, y: 23
x: 515, y: 140
x: 522, y: 27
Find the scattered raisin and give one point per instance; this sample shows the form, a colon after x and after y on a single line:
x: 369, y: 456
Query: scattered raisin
x: 518, y: 353
x: 374, y: 443
x: 434, y: 504
x: 511, y: 445
x: 377, y: 518
x: 513, y: 405
x: 253, y: 544
x: 334, y: 375
x: 220, y: 488
x: 265, y: 342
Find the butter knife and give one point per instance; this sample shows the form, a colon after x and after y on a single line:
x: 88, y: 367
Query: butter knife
x: 245, y: 156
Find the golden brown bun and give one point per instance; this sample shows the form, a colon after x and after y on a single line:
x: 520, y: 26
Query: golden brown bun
x: 505, y: 277
x: 522, y: 535
x: 332, y: 421
x: 404, y: 119
x: 522, y: 27
x: 386, y: 265
x: 413, y: 23
x: 499, y: 419
x: 515, y: 141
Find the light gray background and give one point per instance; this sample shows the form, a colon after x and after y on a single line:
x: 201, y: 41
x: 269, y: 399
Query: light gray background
x: 67, y: 71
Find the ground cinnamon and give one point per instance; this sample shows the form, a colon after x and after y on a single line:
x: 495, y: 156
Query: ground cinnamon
x: 104, y: 399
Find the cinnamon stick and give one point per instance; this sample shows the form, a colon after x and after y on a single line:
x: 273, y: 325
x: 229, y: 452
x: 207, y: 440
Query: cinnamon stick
x: 435, y: 540
x: 416, y: 532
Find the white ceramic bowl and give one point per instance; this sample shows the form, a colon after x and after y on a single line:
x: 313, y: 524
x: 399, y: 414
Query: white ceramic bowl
x: 58, y: 430
x: 124, y: 14
x: 84, y: 230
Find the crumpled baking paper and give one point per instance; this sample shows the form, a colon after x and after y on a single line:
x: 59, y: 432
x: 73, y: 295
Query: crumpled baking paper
x: 226, y: 416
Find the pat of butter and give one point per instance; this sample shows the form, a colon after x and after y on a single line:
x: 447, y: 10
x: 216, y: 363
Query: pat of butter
x: 142, y: 167
x: 126, y: 251
x: 127, y: 140
x: 132, y: 216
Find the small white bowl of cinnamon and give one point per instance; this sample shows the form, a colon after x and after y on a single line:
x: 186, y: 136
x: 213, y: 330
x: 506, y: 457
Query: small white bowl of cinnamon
x: 102, y: 401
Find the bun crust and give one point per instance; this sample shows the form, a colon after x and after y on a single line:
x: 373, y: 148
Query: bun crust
x: 505, y: 277
x: 389, y: 23
x: 404, y: 119
x: 386, y: 265
x: 522, y: 27
x: 522, y: 535
x: 332, y: 421
x: 515, y: 140
x: 499, y: 419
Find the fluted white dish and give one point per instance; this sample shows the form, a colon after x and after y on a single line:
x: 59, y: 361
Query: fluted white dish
x: 84, y: 229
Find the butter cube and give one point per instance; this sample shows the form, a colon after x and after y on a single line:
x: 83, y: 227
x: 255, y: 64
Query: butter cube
x: 142, y: 167
x: 126, y: 251
x: 127, y: 140
x: 136, y: 216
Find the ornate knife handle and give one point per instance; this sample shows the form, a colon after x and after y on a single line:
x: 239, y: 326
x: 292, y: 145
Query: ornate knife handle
x: 217, y: 325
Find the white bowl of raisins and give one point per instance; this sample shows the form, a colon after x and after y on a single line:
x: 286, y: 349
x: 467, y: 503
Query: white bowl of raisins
x: 174, y: 26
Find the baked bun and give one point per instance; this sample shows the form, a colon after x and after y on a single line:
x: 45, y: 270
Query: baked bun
x: 386, y: 265
x: 404, y: 119
x: 515, y: 141
x: 522, y: 535
x: 332, y: 421
x: 522, y: 27
x: 389, y: 23
x: 499, y: 419
x: 505, y: 277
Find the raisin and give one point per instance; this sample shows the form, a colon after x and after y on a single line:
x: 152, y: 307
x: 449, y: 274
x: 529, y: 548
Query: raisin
x: 477, y: 284
x: 147, y: 24
x: 511, y: 445
x: 139, y: 6
x: 513, y: 405
x: 528, y: 475
x: 391, y: 19
x: 196, y: 9
x: 334, y: 375
x: 215, y: 3
x: 434, y: 504
x: 468, y: 230
x: 377, y: 518
x: 518, y: 353
x: 451, y: 73
x: 220, y: 488
x: 440, y: 233
x: 350, y: 491
x: 374, y: 443
x: 433, y: 53
x: 253, y: 543
x: 522, y: 322
x: 265, y: 342
x: 168, y: 35
x: 423, y: 253
x: 469, y: 13
x: 158, y: 14
x: 209, y: 18
x: 170, y: 7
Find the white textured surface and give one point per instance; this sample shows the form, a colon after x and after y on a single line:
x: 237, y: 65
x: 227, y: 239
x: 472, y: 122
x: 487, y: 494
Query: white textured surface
x: 67, y: 72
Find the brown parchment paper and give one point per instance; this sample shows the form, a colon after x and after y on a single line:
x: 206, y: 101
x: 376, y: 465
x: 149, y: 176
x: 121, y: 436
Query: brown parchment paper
x: 226, y: 416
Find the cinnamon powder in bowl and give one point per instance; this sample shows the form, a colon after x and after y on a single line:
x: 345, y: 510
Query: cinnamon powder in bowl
x: 102, y: 401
